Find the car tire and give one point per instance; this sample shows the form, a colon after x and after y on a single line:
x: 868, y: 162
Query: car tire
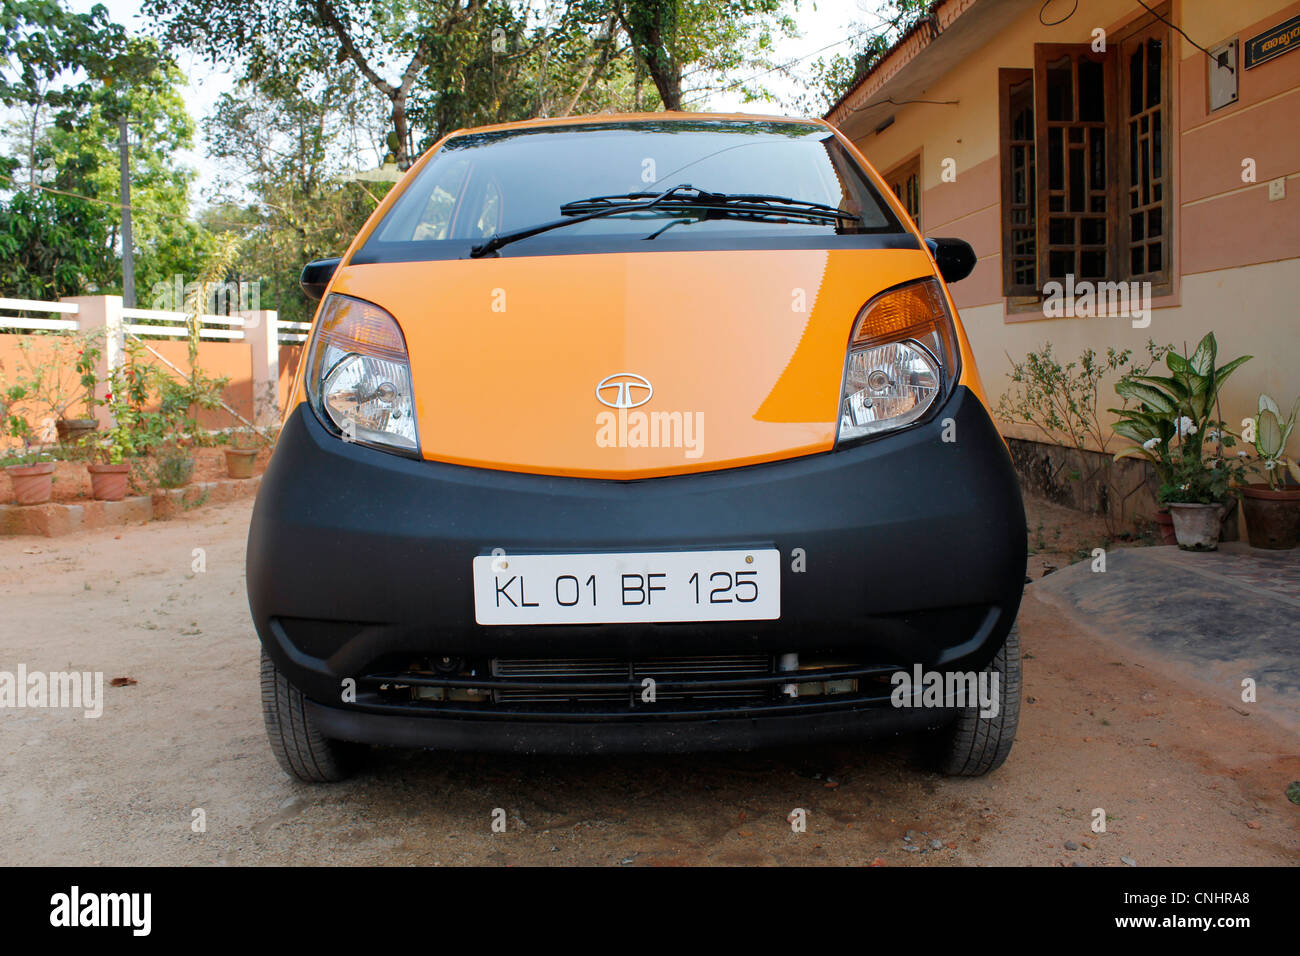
x: 973, y: 745
x: 299, y: 746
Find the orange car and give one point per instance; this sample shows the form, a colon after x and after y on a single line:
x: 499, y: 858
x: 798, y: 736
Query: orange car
x: 647, y: 432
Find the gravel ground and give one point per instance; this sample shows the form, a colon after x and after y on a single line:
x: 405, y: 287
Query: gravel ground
x: 1184, y: 776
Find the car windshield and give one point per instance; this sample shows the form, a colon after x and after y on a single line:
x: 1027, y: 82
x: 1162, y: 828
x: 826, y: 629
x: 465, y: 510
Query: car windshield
x: 480, y: 185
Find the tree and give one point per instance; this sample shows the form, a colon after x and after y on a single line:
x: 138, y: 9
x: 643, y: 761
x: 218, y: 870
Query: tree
x: 709, y: 39
x: 286, y: 189
x: 72, y: 76
x: 833, y: 77
x: 389, y: 45
x: 42, y: 45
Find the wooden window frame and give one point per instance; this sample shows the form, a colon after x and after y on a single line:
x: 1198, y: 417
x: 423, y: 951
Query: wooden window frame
x: 1116, y: 126
x: 1161, y: 280
x: 1007, y: 78
x: 1045, y: 54
x: 898, y: 176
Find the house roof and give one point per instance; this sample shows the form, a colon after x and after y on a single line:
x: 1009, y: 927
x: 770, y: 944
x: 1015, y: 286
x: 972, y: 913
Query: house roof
x: 952, y: 30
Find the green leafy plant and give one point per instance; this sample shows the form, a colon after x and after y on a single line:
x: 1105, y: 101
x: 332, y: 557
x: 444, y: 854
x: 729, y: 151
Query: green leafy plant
x: 1177, y: 421
x: 1271, y: 436
x: 1061, y: 400
x: 174, y: 467
x: 60, y: 372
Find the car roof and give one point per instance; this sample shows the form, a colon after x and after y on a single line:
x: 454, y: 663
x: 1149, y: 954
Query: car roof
x: 658, y: 117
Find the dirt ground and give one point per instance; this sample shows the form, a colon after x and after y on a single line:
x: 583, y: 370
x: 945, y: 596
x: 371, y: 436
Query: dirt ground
x: 1182, y: 776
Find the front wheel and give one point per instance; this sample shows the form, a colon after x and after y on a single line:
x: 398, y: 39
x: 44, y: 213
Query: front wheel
x: 974, y: 745
x: 299, y: 746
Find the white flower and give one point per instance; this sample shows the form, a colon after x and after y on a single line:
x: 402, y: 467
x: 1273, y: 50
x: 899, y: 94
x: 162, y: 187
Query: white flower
x: 1241, y: 454
x: 1270, y: 464
x: 1150, y: 443
x: 1186, y: 426
x: 1213, y: 434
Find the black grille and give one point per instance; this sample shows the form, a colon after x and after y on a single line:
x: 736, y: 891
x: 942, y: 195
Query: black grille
x: 666, y: 670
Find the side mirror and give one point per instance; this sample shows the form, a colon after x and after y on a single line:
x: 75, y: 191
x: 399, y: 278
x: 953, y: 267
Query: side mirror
x: 954, y: 257
x: 316, y: 276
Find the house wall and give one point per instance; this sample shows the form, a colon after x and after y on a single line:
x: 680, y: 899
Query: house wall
x: 1236, y: 255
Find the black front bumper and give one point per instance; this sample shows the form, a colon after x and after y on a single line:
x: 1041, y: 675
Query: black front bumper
x: 359, y: 562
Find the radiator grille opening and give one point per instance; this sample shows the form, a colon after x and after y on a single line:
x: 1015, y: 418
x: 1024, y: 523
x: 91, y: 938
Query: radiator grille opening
x: 661, y: 670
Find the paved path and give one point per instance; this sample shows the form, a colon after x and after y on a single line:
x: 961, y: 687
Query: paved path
x: 1224, y: 615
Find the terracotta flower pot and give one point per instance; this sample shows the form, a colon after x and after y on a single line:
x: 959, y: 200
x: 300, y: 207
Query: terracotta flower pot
x: 32, y: 483
x: 72, y: 430
x: 1196, y: 525
x: 1166, y: 522
x: 240, y: 462
x: 108, y: 482
x: 1272, y: 517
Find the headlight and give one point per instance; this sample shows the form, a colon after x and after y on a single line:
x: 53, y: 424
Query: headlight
x: 359, y: 376
x: 898, y: 361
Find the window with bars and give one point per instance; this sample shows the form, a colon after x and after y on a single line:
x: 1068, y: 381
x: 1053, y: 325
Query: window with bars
x: 1019, y: 188
x: 905, y: 181
x: 1085, y: 165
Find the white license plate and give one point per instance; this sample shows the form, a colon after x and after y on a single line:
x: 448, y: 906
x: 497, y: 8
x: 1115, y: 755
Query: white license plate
x: 657, y: 586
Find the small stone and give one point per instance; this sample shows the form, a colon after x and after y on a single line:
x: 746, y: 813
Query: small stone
x: 911, y: 849
x: 1253, y: 824
x: 1031, y: 700
x: 909, y: 836
x: 936, y: 844
x: 1128, y: 861
x: 1071, y: 845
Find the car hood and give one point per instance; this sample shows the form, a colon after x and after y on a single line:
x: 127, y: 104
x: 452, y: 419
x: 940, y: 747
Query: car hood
x: 744, y: 351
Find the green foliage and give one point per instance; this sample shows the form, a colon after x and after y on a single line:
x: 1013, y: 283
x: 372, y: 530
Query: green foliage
x: 1061, y: 400
x: 52, y: 246
x: 1272, y: 433
x: 70, y: 77
x: 834, y: 76
x: 173, y: 468
x: 1176, y: 421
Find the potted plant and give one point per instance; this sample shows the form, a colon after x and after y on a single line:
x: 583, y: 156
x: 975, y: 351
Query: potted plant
x: 1148, y: 424
x: 32, y: 472
x: 1273, y: 507
x: 241, y: 454
x: 1174, y: 426
x: 62, y: 380
x: 73, y: 430
x: 110, y: 472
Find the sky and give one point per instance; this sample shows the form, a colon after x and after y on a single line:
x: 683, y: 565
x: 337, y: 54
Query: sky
x: 825, y: 27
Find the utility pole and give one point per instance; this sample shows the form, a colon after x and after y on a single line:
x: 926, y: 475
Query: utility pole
x: 128, y: 252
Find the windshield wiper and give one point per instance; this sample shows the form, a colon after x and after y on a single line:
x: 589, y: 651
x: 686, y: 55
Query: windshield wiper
x: 677, y: 198
x: 747, y: 202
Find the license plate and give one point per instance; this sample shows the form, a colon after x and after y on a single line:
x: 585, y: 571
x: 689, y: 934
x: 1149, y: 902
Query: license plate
x: 658, y: 587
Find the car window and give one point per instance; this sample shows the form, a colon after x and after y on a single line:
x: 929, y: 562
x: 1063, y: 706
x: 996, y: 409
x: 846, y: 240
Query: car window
x: 482, y: 184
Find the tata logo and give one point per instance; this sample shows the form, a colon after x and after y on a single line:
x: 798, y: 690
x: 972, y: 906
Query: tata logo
x: 624, y: 390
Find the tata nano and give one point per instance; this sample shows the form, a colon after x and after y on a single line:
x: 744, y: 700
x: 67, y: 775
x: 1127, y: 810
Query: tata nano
x: 636, y: 433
